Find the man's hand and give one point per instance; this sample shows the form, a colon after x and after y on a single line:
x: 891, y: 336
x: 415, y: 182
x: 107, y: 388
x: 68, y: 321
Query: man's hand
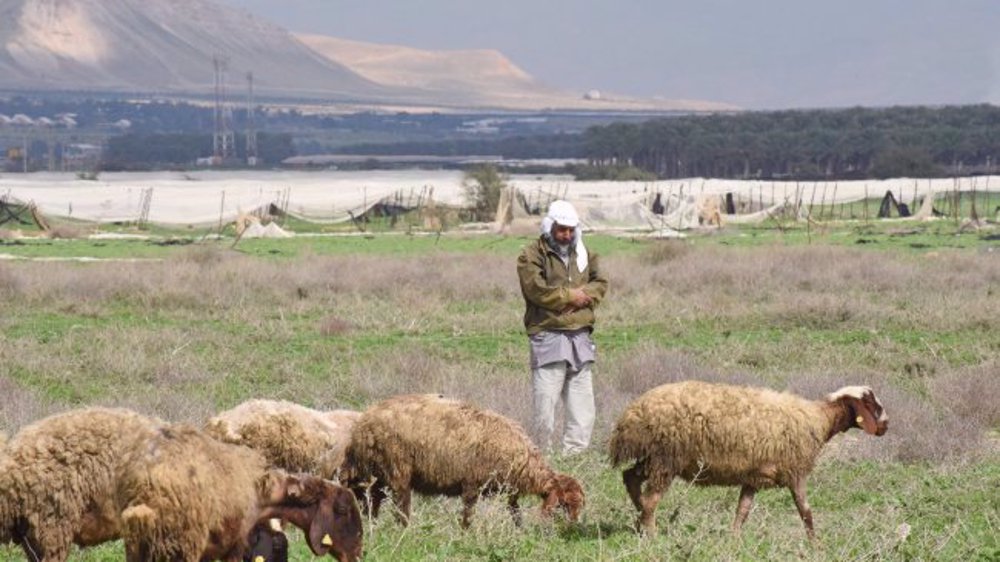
x: 578, y: 300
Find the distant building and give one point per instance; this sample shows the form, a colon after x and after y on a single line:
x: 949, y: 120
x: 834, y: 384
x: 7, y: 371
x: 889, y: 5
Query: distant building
x: 81, y: 156
x: 592, y: 95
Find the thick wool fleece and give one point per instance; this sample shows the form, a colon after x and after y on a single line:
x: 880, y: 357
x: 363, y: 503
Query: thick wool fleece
x: 191, y: 497
x: 441, y: 446
x: 290, y: 436
x: 58, y: 477
x: 721, y: 434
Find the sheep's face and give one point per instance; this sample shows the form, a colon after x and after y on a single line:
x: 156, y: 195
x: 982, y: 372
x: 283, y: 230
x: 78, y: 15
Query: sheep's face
x: 865, y: 409
x: 336, y: 527
x: 267, y: 544
x: 564, y: 491
x: 327, y: 512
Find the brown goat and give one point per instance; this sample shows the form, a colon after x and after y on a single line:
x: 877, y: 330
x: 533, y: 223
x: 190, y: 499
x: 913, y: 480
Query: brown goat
x: 434, y: 445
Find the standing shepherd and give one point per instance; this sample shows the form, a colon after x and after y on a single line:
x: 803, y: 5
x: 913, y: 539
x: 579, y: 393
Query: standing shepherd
x: 562, y: 284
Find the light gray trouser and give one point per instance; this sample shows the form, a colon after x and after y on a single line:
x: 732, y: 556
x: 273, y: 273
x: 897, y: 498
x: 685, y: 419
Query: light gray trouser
x: 549, y: 383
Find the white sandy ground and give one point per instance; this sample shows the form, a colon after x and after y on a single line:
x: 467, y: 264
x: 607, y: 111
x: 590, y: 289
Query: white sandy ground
x: 211, y: 197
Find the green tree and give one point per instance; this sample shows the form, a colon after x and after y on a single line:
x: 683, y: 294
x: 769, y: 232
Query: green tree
x: 483, y: 185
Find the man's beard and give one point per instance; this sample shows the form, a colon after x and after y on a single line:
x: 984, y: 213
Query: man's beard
x: 560, y: 248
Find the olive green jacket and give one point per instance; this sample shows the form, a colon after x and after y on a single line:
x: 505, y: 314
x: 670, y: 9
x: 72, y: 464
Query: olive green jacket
x: 545, y: 284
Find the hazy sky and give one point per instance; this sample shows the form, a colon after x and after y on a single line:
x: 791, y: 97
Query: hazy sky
x: 755, y: 54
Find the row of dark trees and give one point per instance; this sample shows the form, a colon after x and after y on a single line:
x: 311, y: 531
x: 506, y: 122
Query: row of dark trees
x: 142, y: 151
x: 844, y: 144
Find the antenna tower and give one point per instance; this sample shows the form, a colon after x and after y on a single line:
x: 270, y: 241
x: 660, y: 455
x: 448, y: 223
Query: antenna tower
x: 251, y: 124
x: 223, y: 140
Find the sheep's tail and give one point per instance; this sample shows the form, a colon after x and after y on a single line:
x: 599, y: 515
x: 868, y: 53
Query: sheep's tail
x: 138, y: 523
x: 625, y: 446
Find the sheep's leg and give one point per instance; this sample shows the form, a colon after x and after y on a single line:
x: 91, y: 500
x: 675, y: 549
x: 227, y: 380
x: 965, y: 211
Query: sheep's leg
x: 515, y: 509
x: 401, y: 496
x: 798, y: 489
x: 645, y: 501
x: 375, y: 495
x: 470, y: 496
x: 56, y: 543
x: 655, y: 488
x: 34, y: 553
x: 743, y: 507
x: 634, y: 477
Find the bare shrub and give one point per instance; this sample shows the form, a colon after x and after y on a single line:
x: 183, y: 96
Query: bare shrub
x: 407, y: 369
x: 203, y: 254
x: 335, y: 326
x: 649, y: 366
x: 505, y: 392
x: 646, y: 367
x: 65, y: 232
x: 814, y: 311
x: 972, y: 393
x: 10, y: 283
x: 20, y: 406
x: 662, y: 251
x: 166, y: 403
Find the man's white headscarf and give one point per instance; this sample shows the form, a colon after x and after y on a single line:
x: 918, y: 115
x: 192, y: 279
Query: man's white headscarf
x: 562, y: 213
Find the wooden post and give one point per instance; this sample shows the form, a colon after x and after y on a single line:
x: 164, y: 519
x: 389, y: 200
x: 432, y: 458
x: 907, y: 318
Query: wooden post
x: 222, y: 209
x: 812, y: 200
x: 822, y: 202
x: 864, y: 206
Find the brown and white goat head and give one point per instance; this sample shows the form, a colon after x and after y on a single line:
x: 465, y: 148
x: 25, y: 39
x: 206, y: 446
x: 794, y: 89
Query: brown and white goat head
x: 565, y: 492
x: 326, y: 512
x: 864, y: 409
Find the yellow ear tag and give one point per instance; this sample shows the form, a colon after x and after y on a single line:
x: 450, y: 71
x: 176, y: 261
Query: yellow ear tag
x: 258, y: 558
x: 327, y: 541
x: 859, y: 419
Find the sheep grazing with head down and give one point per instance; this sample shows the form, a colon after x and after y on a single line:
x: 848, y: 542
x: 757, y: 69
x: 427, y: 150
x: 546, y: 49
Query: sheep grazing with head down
x: 173, y: 493
x: 196, y: 498
x: 290, y: 436
x: 433, y: 445
x: 59, y: 477
x: 715, y: 434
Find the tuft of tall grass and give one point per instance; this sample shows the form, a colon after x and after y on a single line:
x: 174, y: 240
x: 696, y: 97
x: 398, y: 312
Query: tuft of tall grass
x: 971, y: 393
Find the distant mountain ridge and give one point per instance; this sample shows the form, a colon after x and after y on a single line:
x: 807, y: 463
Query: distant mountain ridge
x: 166, y: 47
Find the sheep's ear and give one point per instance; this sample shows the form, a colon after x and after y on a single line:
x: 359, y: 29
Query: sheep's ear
x: 865, y: 409
x: 293, y: 487
x: 336, y: 525
x: 865, y: 415
x: 551, y: 494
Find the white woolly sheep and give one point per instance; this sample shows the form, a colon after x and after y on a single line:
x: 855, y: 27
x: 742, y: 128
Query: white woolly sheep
x: 715, y: 434
x: 173, y: 493
x: 434, y: 445
x: 290, y: 436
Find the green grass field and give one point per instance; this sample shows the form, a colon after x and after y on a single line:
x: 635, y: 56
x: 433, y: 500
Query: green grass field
x: 198, y: 325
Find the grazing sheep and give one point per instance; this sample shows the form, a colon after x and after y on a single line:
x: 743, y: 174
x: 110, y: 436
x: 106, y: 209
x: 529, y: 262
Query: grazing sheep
x: 290, y: 436
x: 268, y: 543
x: 434, y: 445
x: 173, y: 493
x: 59, y: 476
x: 715, y: 434
x: 196, y: 498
